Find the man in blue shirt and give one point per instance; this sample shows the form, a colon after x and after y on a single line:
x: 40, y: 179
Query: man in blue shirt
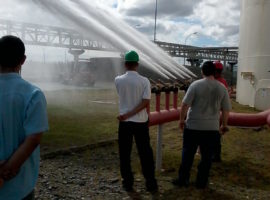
x: 23, y: 119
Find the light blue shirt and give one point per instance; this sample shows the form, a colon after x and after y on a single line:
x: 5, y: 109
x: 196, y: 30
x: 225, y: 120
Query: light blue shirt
x: 22, y: 113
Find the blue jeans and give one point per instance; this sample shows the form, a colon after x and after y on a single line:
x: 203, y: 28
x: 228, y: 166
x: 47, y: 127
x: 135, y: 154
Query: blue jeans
x: 208, y: 141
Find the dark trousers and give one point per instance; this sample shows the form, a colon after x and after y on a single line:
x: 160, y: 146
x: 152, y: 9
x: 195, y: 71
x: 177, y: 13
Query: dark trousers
x: 30, y: 196
x: 208, y: 141
x: 217, y: 154
x: 140, y: 132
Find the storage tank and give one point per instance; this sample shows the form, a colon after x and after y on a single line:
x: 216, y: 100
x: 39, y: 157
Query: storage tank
x: 253, y: 76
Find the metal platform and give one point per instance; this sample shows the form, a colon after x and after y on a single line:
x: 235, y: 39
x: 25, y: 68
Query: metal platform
x: 43, y: 35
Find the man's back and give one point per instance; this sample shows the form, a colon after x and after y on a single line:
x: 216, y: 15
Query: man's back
x: 132, y: 88
x: 206, y: 98
x: 22, y: 113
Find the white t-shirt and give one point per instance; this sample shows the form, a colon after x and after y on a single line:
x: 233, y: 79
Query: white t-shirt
x: 132, y: 88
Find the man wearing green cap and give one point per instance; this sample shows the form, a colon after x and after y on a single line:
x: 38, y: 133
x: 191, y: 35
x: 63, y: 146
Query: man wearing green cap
x: 134, y: 96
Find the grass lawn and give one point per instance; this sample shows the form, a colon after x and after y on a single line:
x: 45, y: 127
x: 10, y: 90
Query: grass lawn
x: 79, y: 117
x: 83, y: 116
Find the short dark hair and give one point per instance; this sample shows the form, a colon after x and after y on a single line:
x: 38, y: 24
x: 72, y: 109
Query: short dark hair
x: 12, y: 51
x: 208, y: 68
x: 132, y: 64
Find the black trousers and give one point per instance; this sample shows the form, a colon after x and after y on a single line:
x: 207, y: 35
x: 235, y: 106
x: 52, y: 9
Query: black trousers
x: 208, y: 141
x: 217, y: 154
x: 30, y: 196
x: 140, y: 132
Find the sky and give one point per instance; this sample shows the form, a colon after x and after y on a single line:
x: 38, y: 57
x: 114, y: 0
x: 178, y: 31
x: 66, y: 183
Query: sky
x: 216, y: 22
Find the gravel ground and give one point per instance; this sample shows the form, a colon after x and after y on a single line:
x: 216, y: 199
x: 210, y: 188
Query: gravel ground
x: 94, y: 174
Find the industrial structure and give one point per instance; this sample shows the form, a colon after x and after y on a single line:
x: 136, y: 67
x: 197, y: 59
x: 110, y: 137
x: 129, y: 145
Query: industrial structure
x: 34, y: 34
x: 253, y: 78
x: 226, y: 54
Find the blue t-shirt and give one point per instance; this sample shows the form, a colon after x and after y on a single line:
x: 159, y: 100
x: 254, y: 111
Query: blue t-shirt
x: 22, y: 113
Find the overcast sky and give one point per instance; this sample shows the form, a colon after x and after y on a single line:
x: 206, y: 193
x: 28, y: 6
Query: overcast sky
x: 216, y: 21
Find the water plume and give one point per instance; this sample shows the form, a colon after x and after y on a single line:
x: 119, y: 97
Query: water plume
x: 96, y: 23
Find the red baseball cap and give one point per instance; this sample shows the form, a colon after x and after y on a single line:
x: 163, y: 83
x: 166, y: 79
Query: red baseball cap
x: 218, y: 65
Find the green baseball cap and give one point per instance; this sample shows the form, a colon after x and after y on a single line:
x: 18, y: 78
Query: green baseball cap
x: 131, y: 56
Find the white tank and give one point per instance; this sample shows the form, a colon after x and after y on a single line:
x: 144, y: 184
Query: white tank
x: 253, y: 76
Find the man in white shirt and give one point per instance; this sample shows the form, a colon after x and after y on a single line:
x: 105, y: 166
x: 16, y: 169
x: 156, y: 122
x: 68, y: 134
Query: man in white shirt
x: 134, y: 96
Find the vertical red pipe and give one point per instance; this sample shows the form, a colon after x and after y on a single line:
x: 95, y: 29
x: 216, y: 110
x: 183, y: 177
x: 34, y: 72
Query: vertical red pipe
x: 167, y: 100
x: 157, y: 102
x: 175, y: 99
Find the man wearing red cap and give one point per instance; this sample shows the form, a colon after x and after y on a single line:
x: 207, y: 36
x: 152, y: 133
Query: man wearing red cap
x: 218, y: 77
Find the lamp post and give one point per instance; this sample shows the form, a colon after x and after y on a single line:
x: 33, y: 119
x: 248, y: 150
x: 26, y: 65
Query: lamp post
x: 194, y: 33
x: 155, y: 28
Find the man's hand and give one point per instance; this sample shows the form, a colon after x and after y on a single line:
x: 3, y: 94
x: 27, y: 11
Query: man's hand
x: 183, y: 114
x: 11, y: 167
x: 1, y: 182
x: 138, y: 108
x: 7, y: 172
x: 1, y: 179
x: 122, y: 117
x: 182, y: 124
x: 223, y: 129
x: 2, y: 162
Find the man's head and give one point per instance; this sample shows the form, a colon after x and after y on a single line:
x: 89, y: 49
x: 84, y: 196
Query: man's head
x: 208, y: 68
x: 131, y: 60
x: 12, y: 53
x: 219, y: 67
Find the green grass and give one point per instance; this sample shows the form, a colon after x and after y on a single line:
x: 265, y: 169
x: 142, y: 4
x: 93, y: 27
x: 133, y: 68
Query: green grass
x: 76, y: 120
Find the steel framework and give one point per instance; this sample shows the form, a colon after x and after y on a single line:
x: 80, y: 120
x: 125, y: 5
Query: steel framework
x: 42, y: 35
x: 34, y: 34
x: 210, y: 53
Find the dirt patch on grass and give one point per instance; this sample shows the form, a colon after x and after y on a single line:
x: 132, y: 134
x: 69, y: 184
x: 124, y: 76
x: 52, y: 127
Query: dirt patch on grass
x: 94, y: 174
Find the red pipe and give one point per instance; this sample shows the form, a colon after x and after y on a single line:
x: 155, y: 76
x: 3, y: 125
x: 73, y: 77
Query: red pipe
x: 249, y: 120
x: 158, y: 102
x: 235, y: 119
x: 167, y: 100
x: 164, y: 116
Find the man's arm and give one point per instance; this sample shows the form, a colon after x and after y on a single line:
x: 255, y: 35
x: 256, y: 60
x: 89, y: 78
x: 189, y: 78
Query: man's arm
x: 225, y: 109
x: 183, y: 114
x: 224, y: 126
x: 186, y: 103
x: 11, y: 167
x: 137, y: 109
